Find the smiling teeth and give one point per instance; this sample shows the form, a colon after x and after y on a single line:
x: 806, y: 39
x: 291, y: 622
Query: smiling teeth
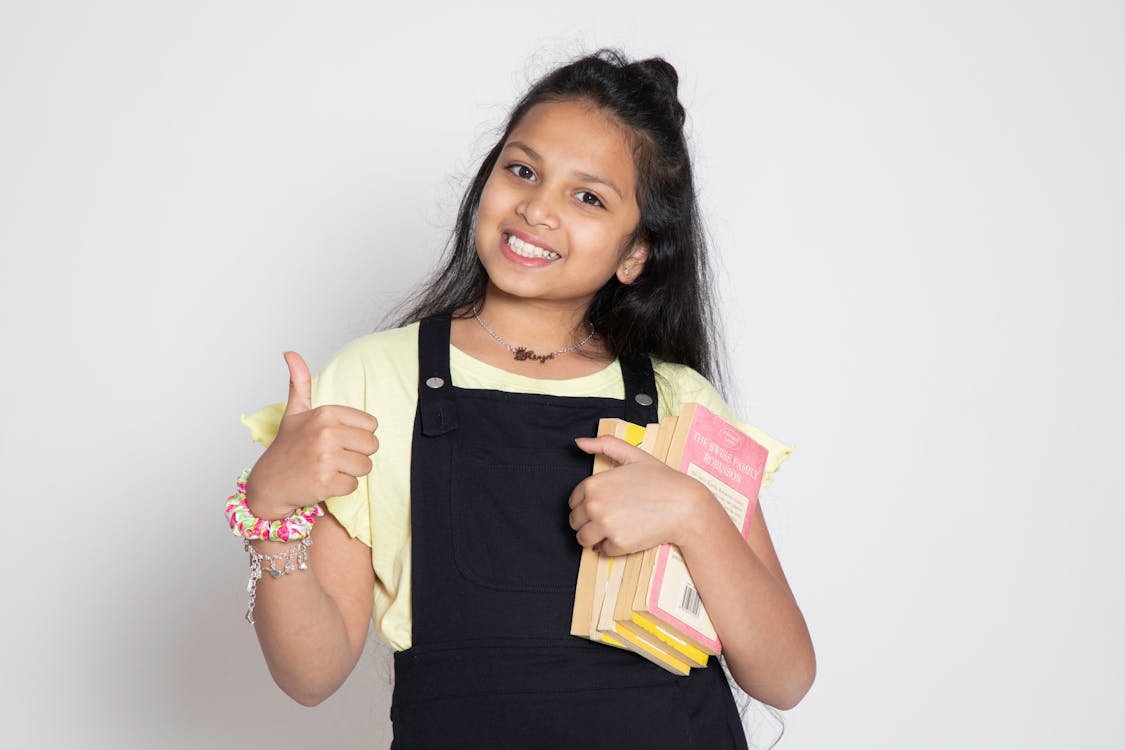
x: 527, y: 250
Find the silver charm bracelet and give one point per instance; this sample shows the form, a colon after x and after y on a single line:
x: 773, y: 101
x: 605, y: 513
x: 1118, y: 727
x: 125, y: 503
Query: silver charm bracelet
x: 278, y: 564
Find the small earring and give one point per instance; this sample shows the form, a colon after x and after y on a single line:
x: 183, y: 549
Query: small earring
x: 628, y: 270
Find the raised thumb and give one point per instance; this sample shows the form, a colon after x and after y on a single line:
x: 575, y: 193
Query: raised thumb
x: 300, y: 384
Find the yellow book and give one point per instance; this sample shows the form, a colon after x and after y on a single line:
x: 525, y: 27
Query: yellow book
x: 656, y: 652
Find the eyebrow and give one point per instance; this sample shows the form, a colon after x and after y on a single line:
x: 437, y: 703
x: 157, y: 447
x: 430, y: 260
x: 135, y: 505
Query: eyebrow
x: 584, y: 176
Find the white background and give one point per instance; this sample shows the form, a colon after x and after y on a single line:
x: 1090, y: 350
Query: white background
x: 917, y: 213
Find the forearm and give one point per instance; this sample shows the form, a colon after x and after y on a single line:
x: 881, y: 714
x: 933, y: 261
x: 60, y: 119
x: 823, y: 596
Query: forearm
x: 765, y: 639
x: 312, y: 623
x: 302, y: 633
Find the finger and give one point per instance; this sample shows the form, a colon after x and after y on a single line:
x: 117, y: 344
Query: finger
x: 342, y: 485
x: 590, y: 535
x: 300, y: 385
x: 609, y: 547
x: 613, y: 448
x: 578, y: 517
x: 353, y: 464
x: 578, y: 494
x: 350, y: 417
x: 355, y: 440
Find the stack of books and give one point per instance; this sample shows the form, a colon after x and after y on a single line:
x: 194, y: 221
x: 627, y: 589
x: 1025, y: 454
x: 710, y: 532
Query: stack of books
x: 646, y: 601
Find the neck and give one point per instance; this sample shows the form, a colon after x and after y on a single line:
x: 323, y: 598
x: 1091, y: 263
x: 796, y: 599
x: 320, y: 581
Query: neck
x: 539, y: 325
x: 531, y: 325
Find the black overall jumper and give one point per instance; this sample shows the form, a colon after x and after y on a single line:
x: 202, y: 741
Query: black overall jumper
x: 495, y: 561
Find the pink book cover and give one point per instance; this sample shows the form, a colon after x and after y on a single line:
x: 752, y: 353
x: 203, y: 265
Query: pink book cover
x: 731, y: 465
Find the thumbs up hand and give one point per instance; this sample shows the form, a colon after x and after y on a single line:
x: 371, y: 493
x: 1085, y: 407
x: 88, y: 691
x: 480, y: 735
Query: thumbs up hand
x: 318, y: 453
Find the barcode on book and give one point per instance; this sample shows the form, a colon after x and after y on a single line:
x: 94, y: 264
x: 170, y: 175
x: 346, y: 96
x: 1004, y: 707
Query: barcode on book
x: 689, y: 601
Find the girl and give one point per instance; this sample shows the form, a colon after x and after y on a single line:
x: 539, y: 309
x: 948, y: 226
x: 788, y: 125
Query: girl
x: 576, y: 288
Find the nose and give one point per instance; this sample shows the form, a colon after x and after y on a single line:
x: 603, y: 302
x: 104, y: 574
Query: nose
x: 538, y: 211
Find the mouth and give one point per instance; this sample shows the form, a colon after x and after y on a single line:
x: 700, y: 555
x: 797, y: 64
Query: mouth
x: 527, y: 250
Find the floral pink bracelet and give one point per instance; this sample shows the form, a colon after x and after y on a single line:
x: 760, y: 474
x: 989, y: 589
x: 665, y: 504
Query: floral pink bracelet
x: 243, y: 523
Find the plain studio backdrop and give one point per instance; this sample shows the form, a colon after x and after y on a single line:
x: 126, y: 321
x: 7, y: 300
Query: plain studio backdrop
x: 916, y: 214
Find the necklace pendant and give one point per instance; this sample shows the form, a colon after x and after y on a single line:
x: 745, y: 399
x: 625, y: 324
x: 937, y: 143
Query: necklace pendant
x: 522, y: 354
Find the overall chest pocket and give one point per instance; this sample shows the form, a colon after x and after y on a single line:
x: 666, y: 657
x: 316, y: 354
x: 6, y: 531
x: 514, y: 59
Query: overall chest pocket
x: 510, y: 517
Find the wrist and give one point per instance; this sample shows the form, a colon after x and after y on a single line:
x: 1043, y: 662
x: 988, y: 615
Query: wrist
x: 699, y: 516
x: 263, y: 501
x: 270, y: 546
x: 276, y: 547
x: 263, y: 508
x: 244, y: 522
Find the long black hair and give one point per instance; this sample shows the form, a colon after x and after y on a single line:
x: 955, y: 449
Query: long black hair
x: 668, y: 311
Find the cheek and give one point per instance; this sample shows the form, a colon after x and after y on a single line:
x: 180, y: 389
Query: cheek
x: 486, y: 216
x: 608, y: 242
x: 493, y: 198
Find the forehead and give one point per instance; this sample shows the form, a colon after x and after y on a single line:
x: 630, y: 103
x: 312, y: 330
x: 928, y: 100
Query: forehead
x: 579, y: 137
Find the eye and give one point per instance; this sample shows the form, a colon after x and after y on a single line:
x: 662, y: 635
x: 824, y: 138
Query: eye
x: 522, y: 171
x: 590, y: 199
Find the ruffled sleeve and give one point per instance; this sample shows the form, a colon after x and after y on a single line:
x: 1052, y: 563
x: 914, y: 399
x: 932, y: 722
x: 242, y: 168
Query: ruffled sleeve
x: 778, y: 452
x: 678, y: 385
x: 263, y: 423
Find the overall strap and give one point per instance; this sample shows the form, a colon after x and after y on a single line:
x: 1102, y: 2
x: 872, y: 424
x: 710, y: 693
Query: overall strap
x: 437, y: 404
x: 641, y: 405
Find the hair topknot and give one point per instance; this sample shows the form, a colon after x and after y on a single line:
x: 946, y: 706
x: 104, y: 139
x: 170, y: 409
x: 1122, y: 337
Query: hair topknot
x: 663, y: 77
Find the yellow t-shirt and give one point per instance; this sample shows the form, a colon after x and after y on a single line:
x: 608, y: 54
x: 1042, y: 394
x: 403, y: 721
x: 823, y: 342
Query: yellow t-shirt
x: 378, y: 373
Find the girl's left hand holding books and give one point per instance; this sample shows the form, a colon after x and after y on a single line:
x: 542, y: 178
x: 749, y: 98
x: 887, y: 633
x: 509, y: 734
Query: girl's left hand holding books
x: 640, y: 503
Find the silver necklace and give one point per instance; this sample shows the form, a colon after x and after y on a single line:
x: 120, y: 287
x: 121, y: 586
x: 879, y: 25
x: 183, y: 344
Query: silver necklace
x: 523, y: 353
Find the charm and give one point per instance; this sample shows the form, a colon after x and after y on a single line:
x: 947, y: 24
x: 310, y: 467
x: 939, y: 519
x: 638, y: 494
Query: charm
x: 523, y: 353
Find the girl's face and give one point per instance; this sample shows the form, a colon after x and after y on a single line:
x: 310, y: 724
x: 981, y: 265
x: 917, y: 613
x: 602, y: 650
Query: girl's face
x: 560, y: 205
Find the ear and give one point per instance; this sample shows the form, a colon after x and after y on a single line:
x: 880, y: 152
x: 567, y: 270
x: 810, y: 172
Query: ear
x: 633, y: 263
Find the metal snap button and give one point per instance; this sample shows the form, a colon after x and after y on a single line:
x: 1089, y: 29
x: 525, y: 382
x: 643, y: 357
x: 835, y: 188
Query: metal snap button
x: 643, y: 399
x: 438, y: 383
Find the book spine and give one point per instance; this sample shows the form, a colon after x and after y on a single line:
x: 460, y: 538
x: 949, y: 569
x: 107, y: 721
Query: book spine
x: 606, y: 564
x: 588, y: 562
